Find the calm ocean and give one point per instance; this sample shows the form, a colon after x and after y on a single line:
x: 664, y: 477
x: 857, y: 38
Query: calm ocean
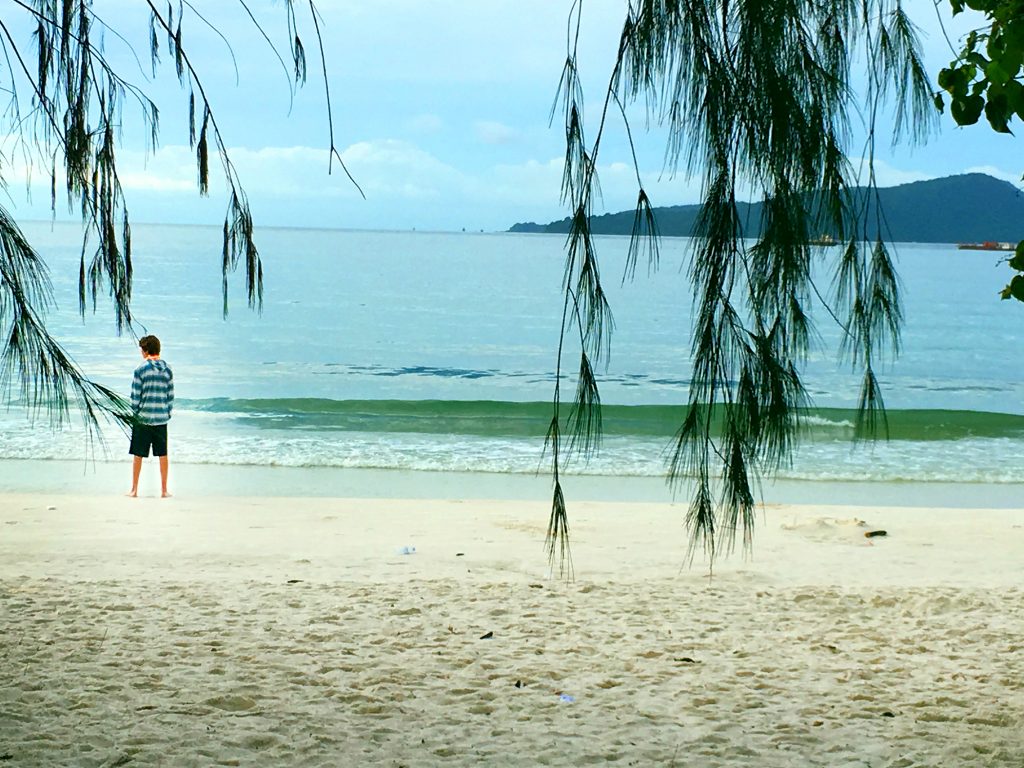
x: 429, y: 351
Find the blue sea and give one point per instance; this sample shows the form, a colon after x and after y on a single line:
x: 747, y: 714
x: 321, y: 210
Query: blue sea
x: 433, y: 352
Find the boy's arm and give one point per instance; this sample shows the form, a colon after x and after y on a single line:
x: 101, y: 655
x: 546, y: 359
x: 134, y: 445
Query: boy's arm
x: 170, y: 391
x: 136, y: 391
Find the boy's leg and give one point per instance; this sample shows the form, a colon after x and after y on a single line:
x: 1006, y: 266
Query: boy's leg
x: 163, y: 477
x: 139, y: 449
x: 160, y: 451
x: 136, y: 470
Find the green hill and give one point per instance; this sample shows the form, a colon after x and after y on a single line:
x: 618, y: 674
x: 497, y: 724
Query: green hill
x: 967, y: 208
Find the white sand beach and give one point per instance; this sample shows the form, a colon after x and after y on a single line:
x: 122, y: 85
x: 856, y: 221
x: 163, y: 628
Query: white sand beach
x: 292, y: 631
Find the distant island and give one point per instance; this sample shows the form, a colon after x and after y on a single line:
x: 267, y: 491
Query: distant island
x: 954, y: 209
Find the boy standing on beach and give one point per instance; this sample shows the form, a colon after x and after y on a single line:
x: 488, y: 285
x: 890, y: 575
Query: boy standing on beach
x: 152, y: 399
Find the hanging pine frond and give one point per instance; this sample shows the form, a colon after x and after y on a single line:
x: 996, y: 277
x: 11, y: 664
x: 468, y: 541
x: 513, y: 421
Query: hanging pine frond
x: 753, y: 95
x: 72, y: 129
x: 32, y: 363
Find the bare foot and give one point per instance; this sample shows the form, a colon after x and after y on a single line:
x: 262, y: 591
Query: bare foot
x: 132, y: 494
x: 165, y: 495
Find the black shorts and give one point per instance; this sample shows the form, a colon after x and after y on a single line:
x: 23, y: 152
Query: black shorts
x: 146, y: 435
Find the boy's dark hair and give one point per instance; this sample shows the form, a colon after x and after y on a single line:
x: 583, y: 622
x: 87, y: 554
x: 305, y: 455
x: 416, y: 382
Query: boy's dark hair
x: 150, y: 345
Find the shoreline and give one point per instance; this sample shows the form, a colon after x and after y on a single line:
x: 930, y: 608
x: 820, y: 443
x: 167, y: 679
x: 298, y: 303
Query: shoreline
x: 106, y: 478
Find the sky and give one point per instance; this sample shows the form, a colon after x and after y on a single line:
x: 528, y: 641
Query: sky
x: 440, y: 111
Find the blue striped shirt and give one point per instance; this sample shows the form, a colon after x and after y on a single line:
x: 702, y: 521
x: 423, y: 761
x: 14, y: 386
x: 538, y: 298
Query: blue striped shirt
x: 153, y: 392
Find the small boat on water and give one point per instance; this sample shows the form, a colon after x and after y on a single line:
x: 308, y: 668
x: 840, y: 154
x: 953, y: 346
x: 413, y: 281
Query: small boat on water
x: 825, y: 239
x: 988, y: 245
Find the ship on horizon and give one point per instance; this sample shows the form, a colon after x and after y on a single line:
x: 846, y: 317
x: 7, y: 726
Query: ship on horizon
x: 987, y: 245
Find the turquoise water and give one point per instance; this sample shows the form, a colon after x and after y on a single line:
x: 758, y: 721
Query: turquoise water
x: 432, y: 351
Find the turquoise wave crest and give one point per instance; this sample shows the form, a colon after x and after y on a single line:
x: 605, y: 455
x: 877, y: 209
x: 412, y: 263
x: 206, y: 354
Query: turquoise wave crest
x: 491, y: 418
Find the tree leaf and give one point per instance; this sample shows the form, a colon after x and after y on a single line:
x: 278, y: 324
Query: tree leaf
x: 1013, y: 34
x: 1014, y: 93
x: 1017, y: 260
x: 998, y: 113
x: 995, y: 73
x: 977, y: 59
x: 1011, y: 60
x: 967, y: 110
x: 1017, y: 287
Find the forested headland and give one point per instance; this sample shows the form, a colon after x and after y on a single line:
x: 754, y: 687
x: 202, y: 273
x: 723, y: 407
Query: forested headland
x: 965, y: 208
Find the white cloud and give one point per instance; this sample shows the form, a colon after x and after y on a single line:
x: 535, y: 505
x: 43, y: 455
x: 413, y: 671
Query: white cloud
x: 999, y: 173
x: 491, y: 132
x: 425, y: 123
x: 170, y: 169
x: 405, y: 186
x: 155, y: 183
x: 384, y: 167
x: 391, y: 168
x: 534, y: 188
x: 886, y: 175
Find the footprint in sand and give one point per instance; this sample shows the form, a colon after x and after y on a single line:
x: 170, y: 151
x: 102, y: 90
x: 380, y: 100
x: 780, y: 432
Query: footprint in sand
x: 231, y: 703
